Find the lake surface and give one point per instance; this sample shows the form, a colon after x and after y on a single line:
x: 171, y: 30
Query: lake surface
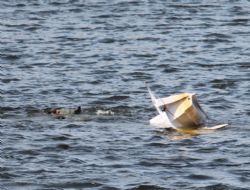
x: 98, y: 54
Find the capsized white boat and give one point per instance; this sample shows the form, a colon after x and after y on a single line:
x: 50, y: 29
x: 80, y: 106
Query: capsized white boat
x: 180, y: 112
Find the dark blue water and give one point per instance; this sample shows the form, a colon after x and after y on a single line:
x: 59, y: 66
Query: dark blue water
x: 98, y: 54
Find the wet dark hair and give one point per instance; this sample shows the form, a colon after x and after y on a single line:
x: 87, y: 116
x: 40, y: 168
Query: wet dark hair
x: 48, y: 110
x: 78, y: 110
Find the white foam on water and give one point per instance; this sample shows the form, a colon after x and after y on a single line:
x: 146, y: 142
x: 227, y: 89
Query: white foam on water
x: 105, y: 112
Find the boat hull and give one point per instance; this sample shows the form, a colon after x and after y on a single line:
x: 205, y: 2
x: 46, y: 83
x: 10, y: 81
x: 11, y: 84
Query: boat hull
x: 178, y: 111
x: 188, y: 113
x: 181, y: 112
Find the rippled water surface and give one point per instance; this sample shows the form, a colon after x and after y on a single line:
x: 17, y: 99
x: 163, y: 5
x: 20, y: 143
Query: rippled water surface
x: 98, y: 54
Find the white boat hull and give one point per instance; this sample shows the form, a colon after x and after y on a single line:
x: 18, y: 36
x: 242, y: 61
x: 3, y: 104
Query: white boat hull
x: 159, y: 122
x: 180, y: 112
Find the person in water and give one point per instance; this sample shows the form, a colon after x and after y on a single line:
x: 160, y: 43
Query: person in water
x: 60, y: 113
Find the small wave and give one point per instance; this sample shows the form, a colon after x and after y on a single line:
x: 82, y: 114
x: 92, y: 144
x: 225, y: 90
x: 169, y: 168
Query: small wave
x: 10, y: 56
x: 73, y: 185
x: 199, y: 177
x: 117, y: 98
x: 237, y: 22
x: 218, y: 186
x: 217, y: 38
x: 144, y: 55
x: 223, y: 83
x: 170, y: 70
x: 107, y: 40
x: 147, y: 187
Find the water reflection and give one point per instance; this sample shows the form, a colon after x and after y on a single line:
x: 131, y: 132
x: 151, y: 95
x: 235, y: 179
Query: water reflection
x: 176, y: 135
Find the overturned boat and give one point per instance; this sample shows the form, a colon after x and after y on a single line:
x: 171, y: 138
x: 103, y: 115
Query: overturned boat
x: 180, y: 112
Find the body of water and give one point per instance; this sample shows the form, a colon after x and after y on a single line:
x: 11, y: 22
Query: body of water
x: 98, y: 54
